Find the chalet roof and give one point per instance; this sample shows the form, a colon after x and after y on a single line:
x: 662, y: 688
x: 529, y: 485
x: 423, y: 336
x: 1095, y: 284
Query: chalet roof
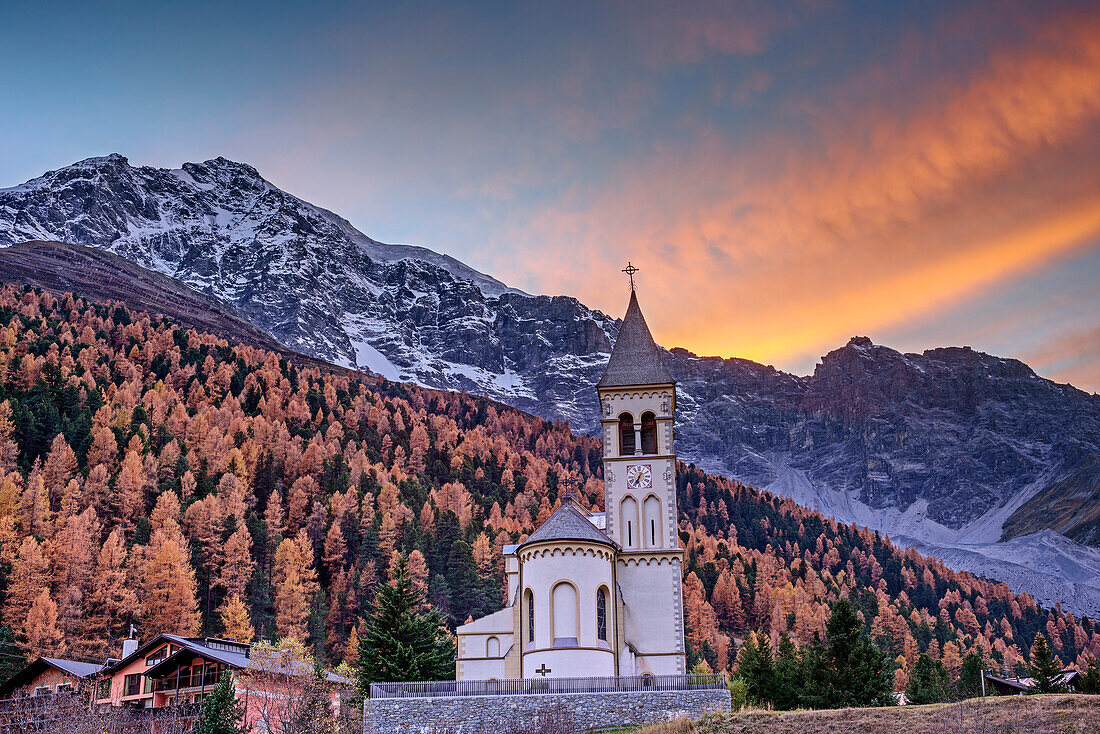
x: 233, y: 654
x: 75, y: 667
x: 635, y: 358
x: 38, y: 666
x: 1066, y: 677
x: 113, y: 665
x: 202, y: 648
x: 567, y: 523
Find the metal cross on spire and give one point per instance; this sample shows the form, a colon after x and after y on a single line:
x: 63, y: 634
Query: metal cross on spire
x: 630, y: 270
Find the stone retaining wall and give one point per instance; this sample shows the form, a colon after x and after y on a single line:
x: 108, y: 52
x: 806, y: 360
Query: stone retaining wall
x: 496, y: 714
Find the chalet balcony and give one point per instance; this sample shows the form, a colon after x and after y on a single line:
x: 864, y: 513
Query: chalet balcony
x: 186, y: 682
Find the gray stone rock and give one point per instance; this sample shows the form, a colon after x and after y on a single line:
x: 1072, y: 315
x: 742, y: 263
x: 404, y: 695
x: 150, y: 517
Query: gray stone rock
x: 491, y: 714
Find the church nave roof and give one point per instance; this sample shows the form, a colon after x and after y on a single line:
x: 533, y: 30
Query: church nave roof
x: 567, y: 523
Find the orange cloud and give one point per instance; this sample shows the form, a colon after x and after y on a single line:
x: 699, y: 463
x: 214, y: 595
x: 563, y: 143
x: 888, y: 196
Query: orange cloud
x: 1070, y: 358
x: 771, y: 251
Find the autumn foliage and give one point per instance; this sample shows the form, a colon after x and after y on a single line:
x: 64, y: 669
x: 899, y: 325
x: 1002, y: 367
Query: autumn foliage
x: 170, y: 479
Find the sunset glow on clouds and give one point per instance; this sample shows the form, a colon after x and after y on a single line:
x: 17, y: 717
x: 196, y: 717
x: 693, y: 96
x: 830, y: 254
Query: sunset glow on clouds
x: 786, y: 175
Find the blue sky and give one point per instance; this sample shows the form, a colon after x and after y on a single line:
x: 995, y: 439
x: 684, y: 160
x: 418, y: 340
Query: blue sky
x: 786, y: 175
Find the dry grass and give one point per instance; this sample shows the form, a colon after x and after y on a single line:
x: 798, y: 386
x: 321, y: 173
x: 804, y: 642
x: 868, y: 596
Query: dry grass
x: 679, y: 726
x: 1030, y: 715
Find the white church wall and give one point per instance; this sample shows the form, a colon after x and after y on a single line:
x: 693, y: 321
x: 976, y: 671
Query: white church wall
x: 653, y: 523
x: 660, y: 494
x: 482, y: 645
x: 630, y: 536
x: 568, y: 573
x: 653, y: 620
x: 569, y: 663
x: 490, y: 624
x: 481, y: 669
x: 564, y: 614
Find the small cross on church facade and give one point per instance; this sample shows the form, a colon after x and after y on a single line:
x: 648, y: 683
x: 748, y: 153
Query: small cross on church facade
x: 543, y: 670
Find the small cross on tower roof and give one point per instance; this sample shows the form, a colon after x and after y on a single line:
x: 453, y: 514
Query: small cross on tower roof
x: 630, y: 270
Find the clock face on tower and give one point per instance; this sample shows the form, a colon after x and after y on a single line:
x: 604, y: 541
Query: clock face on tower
x: 639, y: 476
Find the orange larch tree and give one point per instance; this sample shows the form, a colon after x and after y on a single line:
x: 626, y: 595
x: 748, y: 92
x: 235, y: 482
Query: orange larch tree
x: 295, y: 584
x: 43, y: 635
x: 168, y: 589
x: 236, y: 624
x: 111, y: 601
x: 237, y: 564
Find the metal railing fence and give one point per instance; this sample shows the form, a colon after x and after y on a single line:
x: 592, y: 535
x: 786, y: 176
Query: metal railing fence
x: 533, y: 686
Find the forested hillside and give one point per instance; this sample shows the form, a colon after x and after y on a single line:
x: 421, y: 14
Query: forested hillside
x: 160, y: 476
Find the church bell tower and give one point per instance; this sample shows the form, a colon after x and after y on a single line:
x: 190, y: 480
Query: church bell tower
x: 637, y: 405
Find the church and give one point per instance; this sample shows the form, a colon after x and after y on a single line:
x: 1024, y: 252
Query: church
x: 598, y: 594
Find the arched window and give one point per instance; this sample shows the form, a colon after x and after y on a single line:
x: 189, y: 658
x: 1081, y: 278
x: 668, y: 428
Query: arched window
x: 626, y: 435
x: 564, y: 597
x: 628, y: 510
x: 601, y: 614
x: 530, y: 619
x: 492, y: 647
x: 649, y: 433
x: 651, y: 510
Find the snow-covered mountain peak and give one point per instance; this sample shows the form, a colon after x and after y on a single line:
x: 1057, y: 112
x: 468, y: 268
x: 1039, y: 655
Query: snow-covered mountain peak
x: 942, y: 446
x: 154, y: 216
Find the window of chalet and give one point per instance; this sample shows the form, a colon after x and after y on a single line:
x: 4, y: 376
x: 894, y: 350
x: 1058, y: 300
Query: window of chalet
x: 157, y: 656
x: 131, y: 685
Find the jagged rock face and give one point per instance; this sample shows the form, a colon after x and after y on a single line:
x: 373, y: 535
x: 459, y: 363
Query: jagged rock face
x: 959, y: 430
x: 317, y: 284
x: 1071, y: 506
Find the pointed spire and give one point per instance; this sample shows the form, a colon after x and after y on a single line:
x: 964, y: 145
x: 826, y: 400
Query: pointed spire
x: 635, y: 359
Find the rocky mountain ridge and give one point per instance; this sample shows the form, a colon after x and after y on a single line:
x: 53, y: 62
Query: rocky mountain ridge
x: 940, y: 447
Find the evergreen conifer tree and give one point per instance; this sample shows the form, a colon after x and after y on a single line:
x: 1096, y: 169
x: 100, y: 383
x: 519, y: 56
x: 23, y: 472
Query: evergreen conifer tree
x: 817, y: 684
x: 788, y: 676
x: 13, y: 659
x: 1045, y: 669
x: 1089, y: 682
x: 465, y: 585
x: 400, y: 644
x: 970, y: 676
x: 757, y: 668
x: 221, y: 713
x: 859, y: 671
x: 929, y: 682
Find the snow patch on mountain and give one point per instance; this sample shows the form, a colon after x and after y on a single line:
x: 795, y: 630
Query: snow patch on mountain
x: 1047, y: 565
x: 940, y: 447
